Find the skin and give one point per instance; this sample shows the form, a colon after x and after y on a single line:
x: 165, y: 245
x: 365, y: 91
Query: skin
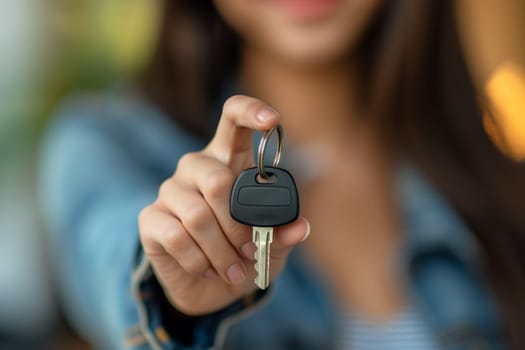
x: 273, y: 33
x: 199, y: 254
x: 303, y: 69
x: 312, y: 67
x: 187, y: 232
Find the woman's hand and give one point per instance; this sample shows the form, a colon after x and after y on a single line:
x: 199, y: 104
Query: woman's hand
x: 203, y: 258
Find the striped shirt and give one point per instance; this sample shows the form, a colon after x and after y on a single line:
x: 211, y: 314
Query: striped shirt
x: 406, y: 331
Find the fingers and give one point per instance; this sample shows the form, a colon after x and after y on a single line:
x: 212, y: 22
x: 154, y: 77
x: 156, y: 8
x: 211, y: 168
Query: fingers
x: 214, y: 181
x: 162, y: 233
x: 240, y: 116
x: 287, y: 236
x: 200, y: 224
x: 190, y: 221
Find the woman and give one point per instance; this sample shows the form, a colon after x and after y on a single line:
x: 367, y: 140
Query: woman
x: 415, y: 215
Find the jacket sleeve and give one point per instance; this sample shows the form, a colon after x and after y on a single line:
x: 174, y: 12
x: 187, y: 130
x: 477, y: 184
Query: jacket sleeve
x: 92, y: 188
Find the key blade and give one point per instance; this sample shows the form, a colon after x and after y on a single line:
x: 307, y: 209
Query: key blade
x: 262, y: 237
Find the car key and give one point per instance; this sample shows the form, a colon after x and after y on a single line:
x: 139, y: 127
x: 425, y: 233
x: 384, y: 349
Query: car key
x: 264, y: 205
x: 264, y: 197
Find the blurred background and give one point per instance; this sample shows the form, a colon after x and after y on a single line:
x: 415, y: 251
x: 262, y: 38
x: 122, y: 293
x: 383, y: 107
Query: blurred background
x: 50, y: 48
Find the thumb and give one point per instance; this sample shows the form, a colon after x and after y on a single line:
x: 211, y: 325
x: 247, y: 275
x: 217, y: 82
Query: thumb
x: 287, y: 236
x: 241, y: 115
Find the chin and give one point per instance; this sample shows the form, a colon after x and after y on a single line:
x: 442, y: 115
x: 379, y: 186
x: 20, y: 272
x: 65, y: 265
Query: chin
x: 312, y: 47
x: 324, y: 40
x: 301, y: 37
x: 306, y: 46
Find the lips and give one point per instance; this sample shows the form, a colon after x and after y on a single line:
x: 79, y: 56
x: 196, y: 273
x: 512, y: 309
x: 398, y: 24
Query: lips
x: 307, y: 10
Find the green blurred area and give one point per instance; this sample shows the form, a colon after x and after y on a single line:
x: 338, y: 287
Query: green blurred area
x: 97, y: 41
x: 54, y: 46
x: 48, y: 48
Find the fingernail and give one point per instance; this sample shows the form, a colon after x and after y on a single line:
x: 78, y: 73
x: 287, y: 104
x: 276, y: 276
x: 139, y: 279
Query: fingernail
x: 266, y: 114
x: 308, y: 229
x: 248, y: 250
x: 211, y: 274
x: 235, y: 274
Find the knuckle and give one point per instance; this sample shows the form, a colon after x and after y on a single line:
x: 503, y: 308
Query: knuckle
x: 174, y: 238
x: 196, y: 265
x: 165, y: 188
x: 143, y: 216
x: 186, y: 160
x: 194, y: 216
x: 168, y: 191
x: 217, y: 183
x: 143, y: 219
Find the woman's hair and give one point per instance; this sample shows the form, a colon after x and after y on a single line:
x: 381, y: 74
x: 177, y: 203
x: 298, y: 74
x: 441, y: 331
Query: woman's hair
x: 415, y: 84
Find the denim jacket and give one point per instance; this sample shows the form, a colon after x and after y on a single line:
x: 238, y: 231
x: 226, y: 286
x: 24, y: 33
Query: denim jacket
x: 104, y: 157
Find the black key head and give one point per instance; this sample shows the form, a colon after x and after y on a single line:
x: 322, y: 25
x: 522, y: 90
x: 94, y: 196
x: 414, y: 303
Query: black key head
x: 264, y: 204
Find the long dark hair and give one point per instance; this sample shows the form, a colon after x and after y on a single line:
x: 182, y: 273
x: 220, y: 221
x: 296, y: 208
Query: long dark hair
x: 415, y: 81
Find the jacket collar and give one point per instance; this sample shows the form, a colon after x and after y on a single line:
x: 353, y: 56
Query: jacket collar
x: 442, y: 265
x: 430, y: 222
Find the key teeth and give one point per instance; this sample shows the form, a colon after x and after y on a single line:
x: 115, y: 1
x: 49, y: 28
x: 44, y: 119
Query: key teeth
x: 255, y: 265
x: 261, y: 281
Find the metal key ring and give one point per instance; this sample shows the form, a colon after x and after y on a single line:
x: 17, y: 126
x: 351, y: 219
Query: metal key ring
x: 262, y: 149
